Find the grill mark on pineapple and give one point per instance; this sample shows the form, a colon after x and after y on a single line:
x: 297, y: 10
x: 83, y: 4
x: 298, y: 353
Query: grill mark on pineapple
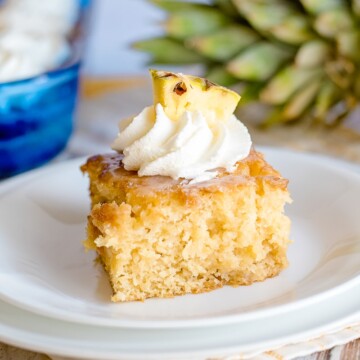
x: 180, y: 88
x: 166, y: 74
x: 208, y: 84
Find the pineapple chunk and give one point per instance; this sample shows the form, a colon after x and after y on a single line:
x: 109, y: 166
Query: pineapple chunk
x: 178, y: 92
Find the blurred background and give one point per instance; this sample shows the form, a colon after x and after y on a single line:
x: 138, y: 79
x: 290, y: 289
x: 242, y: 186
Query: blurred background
x: 71, y: 69
x: 118, y: 25
x: 115, y: 26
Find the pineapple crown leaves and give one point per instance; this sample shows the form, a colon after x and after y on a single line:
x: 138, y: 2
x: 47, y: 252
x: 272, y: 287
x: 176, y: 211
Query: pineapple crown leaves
x: 300, y: 56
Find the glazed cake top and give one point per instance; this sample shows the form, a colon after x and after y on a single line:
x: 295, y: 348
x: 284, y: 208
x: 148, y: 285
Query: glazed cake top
x: 108, y: 169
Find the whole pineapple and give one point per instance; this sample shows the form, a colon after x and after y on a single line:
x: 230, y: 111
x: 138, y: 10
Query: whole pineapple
x: 300, y: 56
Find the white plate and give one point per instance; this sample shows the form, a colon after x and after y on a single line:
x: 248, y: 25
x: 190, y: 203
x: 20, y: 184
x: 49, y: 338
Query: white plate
x: 43, y: 267
x: 51, y: 336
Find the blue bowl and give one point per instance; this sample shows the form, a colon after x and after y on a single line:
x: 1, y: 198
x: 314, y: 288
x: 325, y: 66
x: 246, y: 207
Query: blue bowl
x: 36, y: 118
x: 36, y: 114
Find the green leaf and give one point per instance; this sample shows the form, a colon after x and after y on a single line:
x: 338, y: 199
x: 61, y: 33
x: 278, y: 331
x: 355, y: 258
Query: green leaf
x: 357, y: 85
x: 264, y: 15
x: 219, y: 75
x: 332, y: 22
x: 286, y: 83
x: 275, y: 118
x: 328, y: 95
x: 302, y: 100
x: 356, y: 7
x: 294, y: 30
x: 348, y: 44
x: 258, y: 62
x: 251, y: 92
x: 313, y: 53
x: 168, y: 51
x: 222, y: 45
x: 176, y: 6
x: 189, y: 23
x: 319, y: 6
x: 227, y: 7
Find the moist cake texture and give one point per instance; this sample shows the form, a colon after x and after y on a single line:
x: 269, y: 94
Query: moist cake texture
x: 161, y: 237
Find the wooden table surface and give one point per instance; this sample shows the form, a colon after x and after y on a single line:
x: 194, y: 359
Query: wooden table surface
x: 350, y: 351
x: 95, y: 87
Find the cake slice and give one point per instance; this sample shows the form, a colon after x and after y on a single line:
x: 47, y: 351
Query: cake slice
x: 157, y: 237
x: 162, y: 236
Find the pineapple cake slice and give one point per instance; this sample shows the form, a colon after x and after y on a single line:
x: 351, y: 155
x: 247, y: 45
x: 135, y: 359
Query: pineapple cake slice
x: 178, y: 93
x: 183, y: 207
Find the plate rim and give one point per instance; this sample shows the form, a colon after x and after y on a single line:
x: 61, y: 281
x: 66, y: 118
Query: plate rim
x: 65, y: 347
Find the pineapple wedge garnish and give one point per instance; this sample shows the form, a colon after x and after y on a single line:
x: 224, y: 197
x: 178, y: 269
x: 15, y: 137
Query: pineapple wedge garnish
x: 178, y: 93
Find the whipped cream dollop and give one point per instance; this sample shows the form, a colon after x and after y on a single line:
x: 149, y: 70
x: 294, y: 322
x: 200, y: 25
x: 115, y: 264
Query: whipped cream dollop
x: 192, y: 147
x: 33, y: 36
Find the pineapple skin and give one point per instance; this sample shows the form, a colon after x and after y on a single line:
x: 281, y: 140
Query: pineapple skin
x: 178, y: 93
